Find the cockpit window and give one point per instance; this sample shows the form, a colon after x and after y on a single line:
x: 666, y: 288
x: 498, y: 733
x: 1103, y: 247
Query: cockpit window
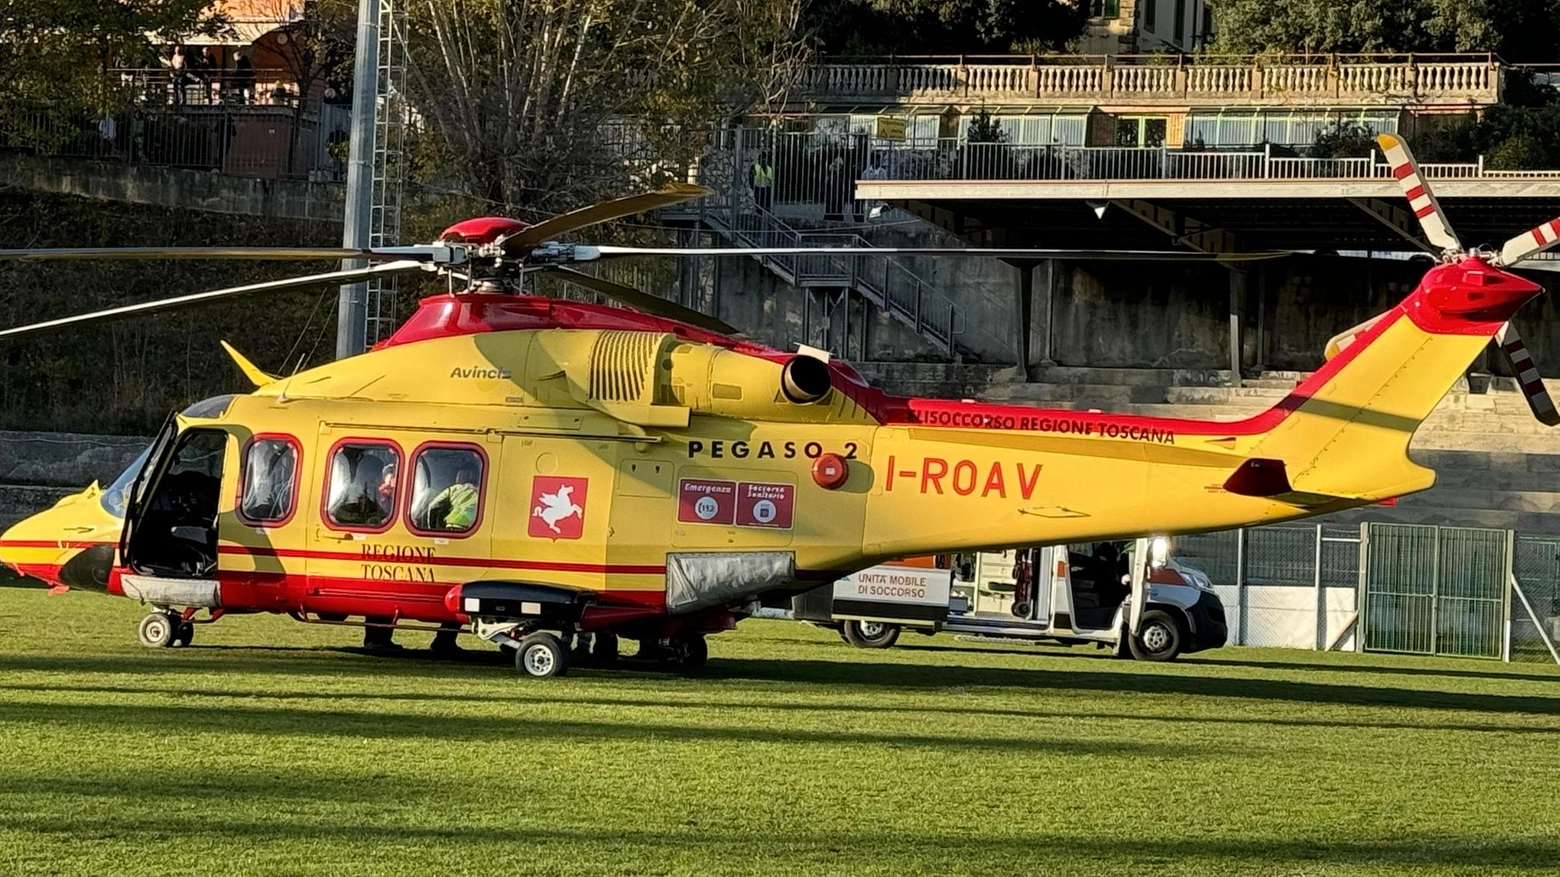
x: 361, y: 490
x: 270, y: 480
x: 216, y: 406
x: 117, y: 493
x: 446, y: 489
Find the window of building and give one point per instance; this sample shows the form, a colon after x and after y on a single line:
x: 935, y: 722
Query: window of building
x: 1180, y: 21
x: 1150, y: 15
x: 268, y: 491
x: 447, y: 482
x: 1105, y: 8
x: 1293, y: 128
x: 1141, y: 131
x: 1038, y: 129
x: 361, y: 488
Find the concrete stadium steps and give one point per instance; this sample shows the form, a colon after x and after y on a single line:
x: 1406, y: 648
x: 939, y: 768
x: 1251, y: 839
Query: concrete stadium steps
x: 65, y: 459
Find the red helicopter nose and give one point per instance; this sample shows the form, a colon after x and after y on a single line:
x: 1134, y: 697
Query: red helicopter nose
x: 481, y: 230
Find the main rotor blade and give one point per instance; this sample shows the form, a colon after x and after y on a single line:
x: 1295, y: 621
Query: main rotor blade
x: 521, y: 242
x: 332, y: 278
x: 644, y: 301
x: 606, y: 251
x: 1406, y: 171
x: 1521, y: 362
x: 258, y: 253
x: 1530, y: 243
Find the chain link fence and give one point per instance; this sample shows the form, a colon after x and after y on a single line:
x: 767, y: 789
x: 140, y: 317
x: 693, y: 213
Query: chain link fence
x: 1447, y: 591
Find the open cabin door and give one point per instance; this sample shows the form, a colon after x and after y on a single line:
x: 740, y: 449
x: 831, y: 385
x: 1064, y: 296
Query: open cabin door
x: 171, y: 518
x: 1142, y: 566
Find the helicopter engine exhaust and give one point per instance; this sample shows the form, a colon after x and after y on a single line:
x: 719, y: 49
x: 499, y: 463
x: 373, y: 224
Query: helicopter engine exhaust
x: 805, y: 380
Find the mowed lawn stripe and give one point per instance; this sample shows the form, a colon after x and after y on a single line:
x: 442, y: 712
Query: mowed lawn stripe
x: 275, y: 748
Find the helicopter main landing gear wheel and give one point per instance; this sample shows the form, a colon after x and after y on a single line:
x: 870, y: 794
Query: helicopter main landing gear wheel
x: 159, y: 630
x: 184, y: 635
x: 541, y: 655
x: 685, y: 652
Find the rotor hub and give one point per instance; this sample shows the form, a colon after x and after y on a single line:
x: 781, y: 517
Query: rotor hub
x: 482, y: 230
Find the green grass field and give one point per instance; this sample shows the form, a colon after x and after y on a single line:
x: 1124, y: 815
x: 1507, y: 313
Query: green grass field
x: 274, y: 748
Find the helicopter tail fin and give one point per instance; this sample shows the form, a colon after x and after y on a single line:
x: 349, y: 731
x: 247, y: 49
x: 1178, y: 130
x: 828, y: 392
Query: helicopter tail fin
x: 250, y: 370
x: 1343, y: 434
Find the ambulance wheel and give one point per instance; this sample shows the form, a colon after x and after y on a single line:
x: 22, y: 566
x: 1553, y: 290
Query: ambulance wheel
x: 185, y: 634
x: 157, y: 630
x: 1158, y: 638
x: 541, y: 655
x: 871, y: 634
x: 685, y: 652
x: 604, y: 649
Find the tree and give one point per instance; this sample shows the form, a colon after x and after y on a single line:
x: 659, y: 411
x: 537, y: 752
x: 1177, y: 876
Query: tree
x: 1519, y: 30
x: 53, y: 52
x: 944, y: 27
x: 549, y: 104
x: 315, y: 43
x: 985, y: 129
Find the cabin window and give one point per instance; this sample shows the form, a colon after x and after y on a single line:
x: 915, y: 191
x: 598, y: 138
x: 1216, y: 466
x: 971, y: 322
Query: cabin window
x: 269, y: 490
x: 361, y: 490
x: 447, y: 482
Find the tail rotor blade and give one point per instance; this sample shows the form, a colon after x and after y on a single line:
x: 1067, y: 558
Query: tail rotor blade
x: 1522, y: 366
x: 1404, y: 169
x: 1530, y: 243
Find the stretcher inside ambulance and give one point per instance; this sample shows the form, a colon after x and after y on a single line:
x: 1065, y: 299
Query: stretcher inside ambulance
x: 1127, y: 596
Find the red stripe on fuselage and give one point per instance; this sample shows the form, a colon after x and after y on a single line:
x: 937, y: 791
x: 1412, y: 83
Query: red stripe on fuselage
x: 629, y: 569
x: 52, y: 543
x: 1081, y: 422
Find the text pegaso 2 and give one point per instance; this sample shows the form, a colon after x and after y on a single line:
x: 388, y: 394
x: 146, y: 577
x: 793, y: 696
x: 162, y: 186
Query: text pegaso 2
x: 717, y: 449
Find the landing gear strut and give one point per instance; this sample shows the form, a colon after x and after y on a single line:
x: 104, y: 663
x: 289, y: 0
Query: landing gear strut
x: 684, y: 651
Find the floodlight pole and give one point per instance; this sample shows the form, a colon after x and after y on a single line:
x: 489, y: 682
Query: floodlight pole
x: 352, y: 314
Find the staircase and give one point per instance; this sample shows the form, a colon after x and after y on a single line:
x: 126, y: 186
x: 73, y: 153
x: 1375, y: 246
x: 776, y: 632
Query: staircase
x: 881, y: 280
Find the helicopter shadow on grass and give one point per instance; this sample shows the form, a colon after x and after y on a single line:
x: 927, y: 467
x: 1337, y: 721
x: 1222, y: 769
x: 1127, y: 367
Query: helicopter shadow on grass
x: 847, y: 674
x: 892, y: 675
x: 919, y: 849
x: 535, y: 727
x: 770, y: 704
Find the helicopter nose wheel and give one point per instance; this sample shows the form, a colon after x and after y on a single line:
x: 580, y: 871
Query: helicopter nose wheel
x: 161, y: 630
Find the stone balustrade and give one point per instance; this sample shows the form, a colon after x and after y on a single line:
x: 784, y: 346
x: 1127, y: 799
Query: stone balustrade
x: 1468, y: 79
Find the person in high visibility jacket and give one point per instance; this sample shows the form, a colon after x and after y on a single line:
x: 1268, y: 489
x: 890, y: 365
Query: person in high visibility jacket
x: 455, y: 508
x: 761, y: 179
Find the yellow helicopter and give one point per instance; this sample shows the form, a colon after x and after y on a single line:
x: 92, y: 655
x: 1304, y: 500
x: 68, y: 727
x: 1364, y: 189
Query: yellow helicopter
x: 539, y: 470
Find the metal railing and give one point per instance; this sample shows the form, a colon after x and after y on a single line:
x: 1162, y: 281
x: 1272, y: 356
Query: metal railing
x: 204, y: 87
x: 951, y: 159
x: 270, y: 142
x: 1454, y: 591
x: 1251, y: 80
